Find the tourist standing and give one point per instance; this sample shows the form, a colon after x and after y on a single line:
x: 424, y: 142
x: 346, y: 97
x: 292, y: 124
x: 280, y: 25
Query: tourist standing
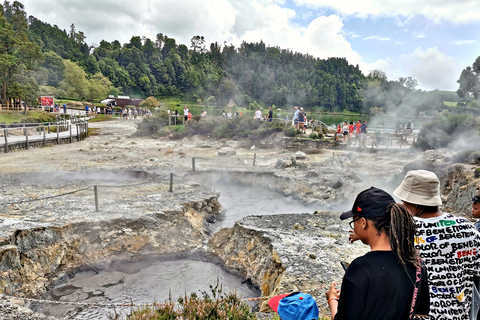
x: 449, y: 246
x: 295, y: 118
x: 351, y: 130
x: 345, y: 131
x: 185, y: 113
x: 357, y: 133
x: 301, y: 121
x: 338, y: 134
x: 364, y: 132
x: 270, y: 114
x: 258, y: 114
x: 381, y: 284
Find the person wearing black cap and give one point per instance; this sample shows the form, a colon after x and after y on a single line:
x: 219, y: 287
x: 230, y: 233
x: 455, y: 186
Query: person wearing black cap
x: 387, y: 283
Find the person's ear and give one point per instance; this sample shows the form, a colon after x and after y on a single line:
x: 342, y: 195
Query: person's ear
x: 364, y: 223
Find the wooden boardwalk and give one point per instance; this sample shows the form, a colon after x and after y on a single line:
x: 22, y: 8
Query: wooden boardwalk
x: 12, y: 139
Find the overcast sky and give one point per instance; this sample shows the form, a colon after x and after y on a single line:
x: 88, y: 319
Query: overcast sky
x: 429, y: 40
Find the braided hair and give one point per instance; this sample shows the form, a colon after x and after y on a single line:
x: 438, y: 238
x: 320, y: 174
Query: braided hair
x: 400, y: 228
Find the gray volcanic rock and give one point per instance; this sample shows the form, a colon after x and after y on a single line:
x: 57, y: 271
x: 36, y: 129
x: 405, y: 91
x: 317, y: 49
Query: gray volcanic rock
x: 287, y: 253
x: 286, y: 161
x: 227, y: 151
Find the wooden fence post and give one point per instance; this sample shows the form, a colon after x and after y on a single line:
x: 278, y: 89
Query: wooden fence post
x: 5, y: 134
x: 27, y: 144
x: 44, y: 136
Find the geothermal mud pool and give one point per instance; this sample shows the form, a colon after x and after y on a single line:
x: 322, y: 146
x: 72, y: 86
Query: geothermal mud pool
x: 148, y: 280
x: 140, y: 282
x: 241, y: 199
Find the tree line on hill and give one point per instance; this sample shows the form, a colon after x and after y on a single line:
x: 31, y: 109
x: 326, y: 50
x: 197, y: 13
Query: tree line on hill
x: 37, y: 58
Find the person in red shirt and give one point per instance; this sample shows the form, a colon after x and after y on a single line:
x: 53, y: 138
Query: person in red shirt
x: 338, y: 134
x: 358, y: 132
x: 351, y: 129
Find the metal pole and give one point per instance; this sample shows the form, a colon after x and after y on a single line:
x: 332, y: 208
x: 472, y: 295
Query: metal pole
x: 26, y: 138
x: 44, y: 136
x: 171, y: 182
x: 95, y: 190
x: 193, y: 164
x: 254, y: 158
x: 5, y: 133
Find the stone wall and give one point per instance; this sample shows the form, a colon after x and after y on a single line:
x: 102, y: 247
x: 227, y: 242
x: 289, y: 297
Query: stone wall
x: 307, y: 145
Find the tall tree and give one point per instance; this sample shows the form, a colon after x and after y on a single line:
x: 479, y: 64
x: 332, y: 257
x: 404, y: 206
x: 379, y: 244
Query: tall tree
x: 17, y: 56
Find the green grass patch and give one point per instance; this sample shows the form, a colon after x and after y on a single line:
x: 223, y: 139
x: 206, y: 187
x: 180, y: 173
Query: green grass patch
x: 450, y: 103
x: 31, y: 117
x: 102, y: 117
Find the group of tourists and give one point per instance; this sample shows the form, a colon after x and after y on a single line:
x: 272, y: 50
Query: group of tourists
x: 268, y: 117
x: 299, y: 120
x: 423, y: 263
x: 357, y: 133
x: 133, y: 113
x: 229, y: 114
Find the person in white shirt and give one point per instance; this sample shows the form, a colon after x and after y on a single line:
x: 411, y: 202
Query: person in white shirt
x: 258, y: 114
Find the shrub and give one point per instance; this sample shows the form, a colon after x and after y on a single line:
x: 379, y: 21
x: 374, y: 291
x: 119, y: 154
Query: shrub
x: 151, y: 125
x: 443, y: 131
x: 216, y: 305
x: 469, y: 156
x: 290, y: 132
x: 314, y: 135
x: 204, y: 126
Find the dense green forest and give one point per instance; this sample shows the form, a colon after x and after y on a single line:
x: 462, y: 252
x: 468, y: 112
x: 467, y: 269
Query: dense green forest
x: 40, y: 59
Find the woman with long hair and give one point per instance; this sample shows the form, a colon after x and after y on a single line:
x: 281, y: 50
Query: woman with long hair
x: 388, y: 283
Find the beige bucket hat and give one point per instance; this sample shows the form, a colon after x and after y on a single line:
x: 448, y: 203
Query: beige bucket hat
x: 420, y: 187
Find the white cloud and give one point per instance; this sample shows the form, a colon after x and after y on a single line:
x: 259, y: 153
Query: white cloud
x: 463, y: 11
x: 462, y: 42
x: 431, y: 68
x: 376, y: 38
x: 420, y: 36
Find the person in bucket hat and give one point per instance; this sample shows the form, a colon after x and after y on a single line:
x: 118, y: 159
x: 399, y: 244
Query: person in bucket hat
x: 294, y: 306
x: 388, y: 283
x: 449, y: 246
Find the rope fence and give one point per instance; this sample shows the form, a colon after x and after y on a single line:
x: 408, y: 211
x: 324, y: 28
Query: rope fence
x: 122, y: 305
x: 75, y: 191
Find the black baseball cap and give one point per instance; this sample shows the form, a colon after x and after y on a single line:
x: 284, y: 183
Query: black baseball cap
x: 370, y: 203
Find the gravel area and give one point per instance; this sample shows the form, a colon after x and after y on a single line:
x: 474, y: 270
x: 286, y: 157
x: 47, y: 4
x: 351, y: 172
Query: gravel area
x: 13, y: 310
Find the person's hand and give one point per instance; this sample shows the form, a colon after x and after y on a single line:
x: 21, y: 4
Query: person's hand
x: 352, y: 237
x: 332, y: 292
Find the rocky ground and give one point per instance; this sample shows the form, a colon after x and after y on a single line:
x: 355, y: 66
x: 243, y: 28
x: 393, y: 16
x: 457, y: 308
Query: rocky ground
x: 278, y: 253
